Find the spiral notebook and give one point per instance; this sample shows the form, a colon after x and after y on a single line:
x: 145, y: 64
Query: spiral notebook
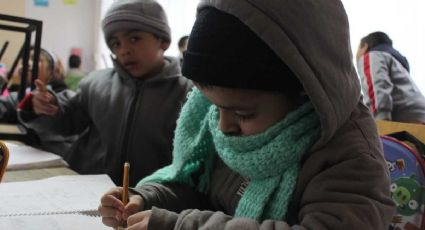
x: 57, y: 200
x: 52, y: 222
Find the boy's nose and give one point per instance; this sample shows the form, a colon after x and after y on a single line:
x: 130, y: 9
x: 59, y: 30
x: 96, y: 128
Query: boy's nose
x: 229, y: 123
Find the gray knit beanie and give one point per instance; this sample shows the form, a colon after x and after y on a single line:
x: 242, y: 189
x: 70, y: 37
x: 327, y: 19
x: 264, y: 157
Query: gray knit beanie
x: 143, y: 15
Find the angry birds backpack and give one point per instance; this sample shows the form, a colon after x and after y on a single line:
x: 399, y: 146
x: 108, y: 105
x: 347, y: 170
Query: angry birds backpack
x: 405, y: 156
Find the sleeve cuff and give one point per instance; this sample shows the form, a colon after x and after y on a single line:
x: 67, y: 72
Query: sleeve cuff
x: 162, y: 219
x: 383, y: 115
x: 147, y: 195
x: 26, y: 103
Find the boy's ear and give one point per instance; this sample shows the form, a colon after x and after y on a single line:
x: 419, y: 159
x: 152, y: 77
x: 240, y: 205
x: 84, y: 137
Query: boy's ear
x: 165, y: 45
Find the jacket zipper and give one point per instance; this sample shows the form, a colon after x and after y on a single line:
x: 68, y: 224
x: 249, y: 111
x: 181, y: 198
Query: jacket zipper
x: 128, y: 129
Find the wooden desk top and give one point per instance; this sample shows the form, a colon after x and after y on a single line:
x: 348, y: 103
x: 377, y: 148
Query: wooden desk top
x: 386, y: 127
x: 10, y: 128
x: 35, y: 174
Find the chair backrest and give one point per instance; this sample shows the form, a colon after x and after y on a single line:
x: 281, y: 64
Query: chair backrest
x: 4, y: 158
x: 387, y: 127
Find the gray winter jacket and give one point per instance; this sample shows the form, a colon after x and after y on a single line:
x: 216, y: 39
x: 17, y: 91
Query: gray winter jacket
x: 343, y: 182
x: 388, y: 89
x: 119, y: 118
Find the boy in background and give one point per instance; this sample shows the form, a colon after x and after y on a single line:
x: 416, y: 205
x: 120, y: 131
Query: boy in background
x: 125, y: 113
x: 182, y: 47
x: 389, y: 91
x: 50, y: 72
x: 74, y: 74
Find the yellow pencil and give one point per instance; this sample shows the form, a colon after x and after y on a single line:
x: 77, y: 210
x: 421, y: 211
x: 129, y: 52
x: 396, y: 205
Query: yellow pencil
x: 125, y: 180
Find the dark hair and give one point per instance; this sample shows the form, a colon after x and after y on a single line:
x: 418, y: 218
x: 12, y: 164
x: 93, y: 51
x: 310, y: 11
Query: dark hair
x: 49, y: 55
x: 74, y: 61
x: 51, y: 58
x: 182, y: 41
x: 376, y: 38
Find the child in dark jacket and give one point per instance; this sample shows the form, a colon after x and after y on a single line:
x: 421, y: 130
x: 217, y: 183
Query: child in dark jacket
x: 127, y: 113
x: 274, y: 136
x: 50, y: 72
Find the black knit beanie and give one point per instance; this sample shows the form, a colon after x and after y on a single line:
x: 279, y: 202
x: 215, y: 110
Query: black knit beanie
x: 222, y: 51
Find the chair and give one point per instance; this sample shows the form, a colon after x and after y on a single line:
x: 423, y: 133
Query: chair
x: 387, y: 127
x: 4, y: 158
x: 28, y: 27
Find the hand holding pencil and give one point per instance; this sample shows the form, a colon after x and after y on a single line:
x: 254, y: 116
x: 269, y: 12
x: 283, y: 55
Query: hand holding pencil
x: 118, y: 204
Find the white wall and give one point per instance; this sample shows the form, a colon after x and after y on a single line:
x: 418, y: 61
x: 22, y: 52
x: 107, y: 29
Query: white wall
x: 15, y: 39
x: 67, y: 26
x: 403, y: 21
x: 181, y: 16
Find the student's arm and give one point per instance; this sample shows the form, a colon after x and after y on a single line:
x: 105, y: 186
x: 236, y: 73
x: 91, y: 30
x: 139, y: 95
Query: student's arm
x: 376, y: 84
x: 333, y: 199
x: 196, y: 219
x: 171, y: 196
x: 68, y: 114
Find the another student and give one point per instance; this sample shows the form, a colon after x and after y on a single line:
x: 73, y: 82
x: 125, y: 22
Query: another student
x: 388, y: 89
x: 182, y: 47
x: 127, y: 113
x: 275, y: 135
x: 74, y: 74
x: 50, y: 72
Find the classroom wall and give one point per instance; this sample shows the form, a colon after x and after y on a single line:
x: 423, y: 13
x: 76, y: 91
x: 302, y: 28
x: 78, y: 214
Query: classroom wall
x: 15, y: 8
x: 64, y: 27
x: 181, y: 16
x: 67, y: 26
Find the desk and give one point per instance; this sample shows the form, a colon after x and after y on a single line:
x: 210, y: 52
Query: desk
x: 386, y: 127
x: 15, y: 132
x: 35, y: 174
x: 11, y: 128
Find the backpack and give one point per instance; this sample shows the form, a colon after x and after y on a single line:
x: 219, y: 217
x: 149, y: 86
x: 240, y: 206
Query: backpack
x: 406, y: 165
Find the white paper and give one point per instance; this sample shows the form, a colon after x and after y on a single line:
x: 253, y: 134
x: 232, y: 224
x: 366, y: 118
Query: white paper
x: 55, y: 195
x: 52, y: 222
x: 27, y: 157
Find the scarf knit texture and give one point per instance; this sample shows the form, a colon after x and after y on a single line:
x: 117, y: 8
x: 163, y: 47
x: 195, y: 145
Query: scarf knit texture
x: 269, y: 160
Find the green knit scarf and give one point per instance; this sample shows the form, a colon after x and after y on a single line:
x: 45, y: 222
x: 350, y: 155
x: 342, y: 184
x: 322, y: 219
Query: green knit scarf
x: 269, y: 160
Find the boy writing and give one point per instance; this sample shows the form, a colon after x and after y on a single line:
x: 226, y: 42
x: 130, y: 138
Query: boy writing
x: 274, y: 136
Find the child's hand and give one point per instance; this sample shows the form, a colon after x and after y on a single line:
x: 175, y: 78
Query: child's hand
x: 112, y: 210
x: 43, y: 101
x: 139, y: 221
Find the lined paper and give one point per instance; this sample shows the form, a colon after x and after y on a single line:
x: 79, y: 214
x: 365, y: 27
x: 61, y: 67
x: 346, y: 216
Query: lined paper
x: 55, y: 195
x: 52, y: 222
